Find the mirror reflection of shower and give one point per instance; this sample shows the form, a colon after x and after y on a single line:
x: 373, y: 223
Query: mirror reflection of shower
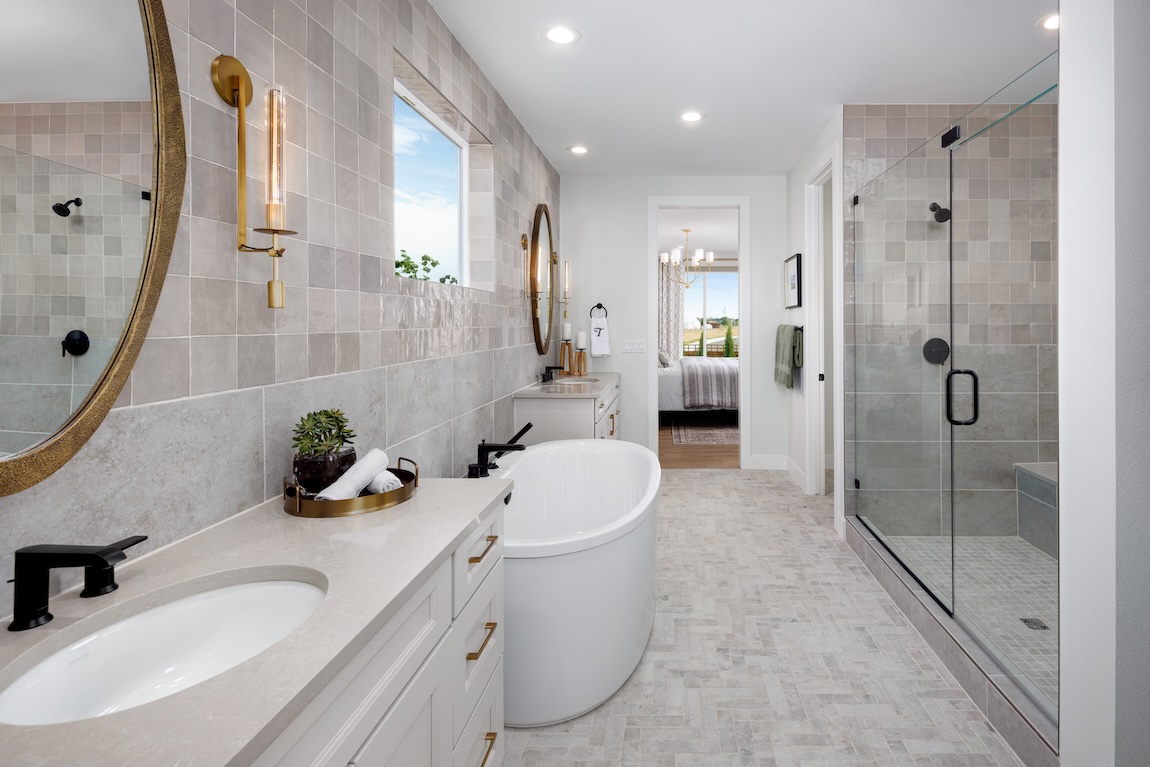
x: 63, y: 209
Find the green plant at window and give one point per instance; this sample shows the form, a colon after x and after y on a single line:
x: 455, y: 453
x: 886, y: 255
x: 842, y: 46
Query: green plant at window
x: 729, y: 340
x: 406, y: 266
x: 703, y: 341
x: 322, y: 432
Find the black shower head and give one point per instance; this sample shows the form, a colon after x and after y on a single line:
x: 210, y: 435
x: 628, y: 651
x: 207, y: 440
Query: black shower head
x: 941, y: 214
x: 61, y: 208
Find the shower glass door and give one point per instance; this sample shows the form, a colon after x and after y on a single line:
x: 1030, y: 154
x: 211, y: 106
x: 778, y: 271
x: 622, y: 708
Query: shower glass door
x: 952, y: 373
x: 1004, y: 256
x: 901, y: 302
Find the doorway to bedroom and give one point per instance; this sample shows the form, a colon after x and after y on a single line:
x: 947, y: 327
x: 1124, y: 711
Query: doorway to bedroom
x: 698, y: 337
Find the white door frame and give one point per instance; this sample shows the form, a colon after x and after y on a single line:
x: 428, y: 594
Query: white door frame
x: 828, y: 171
x: 746, y: 309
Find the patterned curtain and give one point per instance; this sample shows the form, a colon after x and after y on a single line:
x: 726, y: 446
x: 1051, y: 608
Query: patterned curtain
x: 670, y: 315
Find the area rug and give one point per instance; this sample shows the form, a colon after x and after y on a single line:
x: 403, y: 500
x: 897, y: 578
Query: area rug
x: 687, y: 433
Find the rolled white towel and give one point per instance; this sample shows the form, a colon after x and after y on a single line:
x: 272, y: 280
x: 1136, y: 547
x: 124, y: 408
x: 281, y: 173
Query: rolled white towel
x: 356, y: 478
x: 384, y: 482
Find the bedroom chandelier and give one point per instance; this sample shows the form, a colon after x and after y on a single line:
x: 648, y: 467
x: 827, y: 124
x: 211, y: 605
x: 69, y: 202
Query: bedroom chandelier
x: 683, y: 270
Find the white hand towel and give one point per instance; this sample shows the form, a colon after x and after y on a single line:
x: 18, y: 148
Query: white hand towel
x: 356, y: 478
x: 384, y: 482
x: 600, y: 341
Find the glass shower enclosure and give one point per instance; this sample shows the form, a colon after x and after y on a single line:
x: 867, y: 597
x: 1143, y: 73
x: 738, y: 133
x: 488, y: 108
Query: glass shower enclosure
x: 952, y: 373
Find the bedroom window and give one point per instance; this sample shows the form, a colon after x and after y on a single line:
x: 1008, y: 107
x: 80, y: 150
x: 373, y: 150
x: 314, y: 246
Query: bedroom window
x: 711, y: 316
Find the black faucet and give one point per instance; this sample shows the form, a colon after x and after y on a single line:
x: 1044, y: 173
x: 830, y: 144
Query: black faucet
x: 479, y: 469
x: 549, y: 372
x: 30, y: 607
x: 514, y: 439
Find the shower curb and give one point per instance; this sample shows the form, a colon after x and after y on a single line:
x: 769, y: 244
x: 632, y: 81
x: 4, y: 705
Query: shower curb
x: 1020, y: 722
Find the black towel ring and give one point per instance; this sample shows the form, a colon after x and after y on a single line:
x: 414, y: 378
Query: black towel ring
x: 597, y: 306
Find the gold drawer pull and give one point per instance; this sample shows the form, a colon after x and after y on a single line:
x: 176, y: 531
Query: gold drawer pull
x: 612, y: 424
x: 491, y: 539
x: 490, y: 633
x: 490, y: 738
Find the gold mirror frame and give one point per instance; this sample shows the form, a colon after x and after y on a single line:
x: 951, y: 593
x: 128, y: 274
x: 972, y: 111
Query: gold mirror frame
x: 23, y: 470
x: 542, y: 344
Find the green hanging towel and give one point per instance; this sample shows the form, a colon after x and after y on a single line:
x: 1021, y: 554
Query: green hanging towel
x: 785, y: 355
x: 798, y: 352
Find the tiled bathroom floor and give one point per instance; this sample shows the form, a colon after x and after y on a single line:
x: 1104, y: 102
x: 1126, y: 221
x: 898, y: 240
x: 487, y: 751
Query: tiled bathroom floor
x: 773, y: 647
x: 999, y: 581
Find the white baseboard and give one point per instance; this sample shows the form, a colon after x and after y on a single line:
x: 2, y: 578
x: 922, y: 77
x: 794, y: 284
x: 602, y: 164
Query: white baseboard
x: 797, y: 474
x: 765, y: 461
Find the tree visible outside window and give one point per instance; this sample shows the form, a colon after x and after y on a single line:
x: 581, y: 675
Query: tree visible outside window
x: 711, y: 316
x: 430, y: 194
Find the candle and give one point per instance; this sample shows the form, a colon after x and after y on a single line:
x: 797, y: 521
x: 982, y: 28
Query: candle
x: 276, y: 187
x: 581, y: 340
x: 566, y: 331
x: 567, y: 283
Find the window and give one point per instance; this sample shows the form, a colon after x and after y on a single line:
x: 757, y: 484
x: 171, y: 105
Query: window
x: 431, y: 193
x: 714, y: 297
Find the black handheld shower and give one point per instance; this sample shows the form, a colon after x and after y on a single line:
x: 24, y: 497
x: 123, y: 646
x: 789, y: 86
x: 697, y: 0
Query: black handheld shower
x: 941, y: 214
x: 61, y: 208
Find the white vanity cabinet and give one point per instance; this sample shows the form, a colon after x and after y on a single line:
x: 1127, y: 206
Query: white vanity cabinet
x: 427, y: 689
x: 570, y: 409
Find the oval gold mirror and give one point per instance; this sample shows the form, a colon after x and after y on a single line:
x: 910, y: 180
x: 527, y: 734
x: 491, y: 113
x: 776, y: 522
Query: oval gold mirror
x: 540, y: 269
x: 92, y: 145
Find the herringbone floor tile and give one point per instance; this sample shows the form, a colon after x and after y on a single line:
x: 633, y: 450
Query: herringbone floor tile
x: 773, y: 647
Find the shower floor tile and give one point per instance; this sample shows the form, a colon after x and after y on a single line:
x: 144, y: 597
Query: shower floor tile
x: 772, y: 645
x: 998, y: 582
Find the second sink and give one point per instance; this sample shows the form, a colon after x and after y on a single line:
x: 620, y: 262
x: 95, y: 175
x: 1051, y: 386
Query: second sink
x: 158, y: 652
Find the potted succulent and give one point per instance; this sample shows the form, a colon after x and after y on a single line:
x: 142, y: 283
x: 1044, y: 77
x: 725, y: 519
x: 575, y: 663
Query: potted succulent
x: 322, y: 442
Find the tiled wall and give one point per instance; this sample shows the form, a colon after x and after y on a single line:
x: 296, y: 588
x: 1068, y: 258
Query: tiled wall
x: 900, y: 280
x: 423, y: 369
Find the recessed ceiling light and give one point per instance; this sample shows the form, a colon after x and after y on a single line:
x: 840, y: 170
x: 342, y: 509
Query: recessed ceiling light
x: 691, y: 117
x: 577, y: 149
x: 1049, y: 22
x: 561, y: 35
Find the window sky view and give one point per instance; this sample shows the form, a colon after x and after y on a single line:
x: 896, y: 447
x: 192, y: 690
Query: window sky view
x: 426, y: 191
x: 722, y: 298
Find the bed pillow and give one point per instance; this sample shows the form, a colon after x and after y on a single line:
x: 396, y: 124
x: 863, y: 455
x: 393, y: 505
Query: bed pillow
x: 664, y: 360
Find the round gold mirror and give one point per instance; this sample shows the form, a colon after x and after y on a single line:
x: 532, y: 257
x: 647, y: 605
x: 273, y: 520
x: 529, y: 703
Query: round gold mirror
x: 92, y: 141
x: 540, y: 269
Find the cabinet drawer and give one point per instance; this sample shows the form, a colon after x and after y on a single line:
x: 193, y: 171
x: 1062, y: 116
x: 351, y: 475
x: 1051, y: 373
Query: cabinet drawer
x: 477, y: 645
x: 605, y: 401
x: 475, y: 558
x: 417, y: 730
x: 334, y: 724
x: 483, y: 742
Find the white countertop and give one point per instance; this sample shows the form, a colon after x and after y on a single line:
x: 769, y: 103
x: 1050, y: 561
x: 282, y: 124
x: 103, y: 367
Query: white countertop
x: 566, y: 387
x: 369, y: 564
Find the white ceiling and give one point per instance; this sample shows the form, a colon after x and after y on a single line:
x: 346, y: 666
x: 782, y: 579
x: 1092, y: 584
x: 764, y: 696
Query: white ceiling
x: 72, y: 50
x: 715, y: 229
x: 766, y: 73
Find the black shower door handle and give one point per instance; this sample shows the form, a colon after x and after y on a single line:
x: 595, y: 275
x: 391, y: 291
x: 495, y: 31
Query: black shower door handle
x: 950, y: 396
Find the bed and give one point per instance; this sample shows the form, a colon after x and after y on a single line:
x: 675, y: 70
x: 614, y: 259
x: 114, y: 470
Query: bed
x: 699, y: 383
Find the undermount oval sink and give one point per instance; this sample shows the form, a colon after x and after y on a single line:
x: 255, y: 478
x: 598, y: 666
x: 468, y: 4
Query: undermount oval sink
x: 569, y: 382
x: 158, y: 652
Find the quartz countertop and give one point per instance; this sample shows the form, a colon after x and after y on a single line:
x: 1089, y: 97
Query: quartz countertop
x: 567, y: 387
x: 369, y: 564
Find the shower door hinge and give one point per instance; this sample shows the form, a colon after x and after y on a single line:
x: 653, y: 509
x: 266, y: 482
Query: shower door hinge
x: 857, y: 485
x: 855, y: 201
x: 950, y: 137
x: 822, y: 377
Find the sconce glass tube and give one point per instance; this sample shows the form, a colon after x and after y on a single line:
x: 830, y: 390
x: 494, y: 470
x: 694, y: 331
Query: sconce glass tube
x: 276, y: 185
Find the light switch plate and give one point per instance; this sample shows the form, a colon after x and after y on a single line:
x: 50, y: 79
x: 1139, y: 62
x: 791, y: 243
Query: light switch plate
x: 634, y: 345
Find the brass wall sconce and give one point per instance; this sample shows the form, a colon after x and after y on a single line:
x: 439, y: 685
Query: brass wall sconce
x: 235, y: 87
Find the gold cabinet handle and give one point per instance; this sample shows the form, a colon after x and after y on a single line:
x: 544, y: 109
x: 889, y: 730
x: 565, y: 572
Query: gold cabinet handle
x: 602, y: 405
x: 491, y: 539
x: 612, y: 425
x: 490, y: 738
x: 490, y: 633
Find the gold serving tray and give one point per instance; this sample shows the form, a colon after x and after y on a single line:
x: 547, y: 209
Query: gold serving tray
x: 299, y: 503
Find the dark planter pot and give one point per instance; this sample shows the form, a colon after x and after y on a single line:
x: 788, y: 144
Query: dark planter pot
x: 315, y: 472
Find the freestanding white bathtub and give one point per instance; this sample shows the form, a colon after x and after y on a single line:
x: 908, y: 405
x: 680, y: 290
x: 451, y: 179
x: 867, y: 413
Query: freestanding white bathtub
x: 579, y: 559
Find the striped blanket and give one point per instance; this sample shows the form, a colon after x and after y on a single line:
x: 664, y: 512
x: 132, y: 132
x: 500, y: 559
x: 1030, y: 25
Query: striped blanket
x: 711, y: 382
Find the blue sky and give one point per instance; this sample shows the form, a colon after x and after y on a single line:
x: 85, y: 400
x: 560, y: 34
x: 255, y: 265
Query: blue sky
x: 722, y: 298
x: 426, y: 191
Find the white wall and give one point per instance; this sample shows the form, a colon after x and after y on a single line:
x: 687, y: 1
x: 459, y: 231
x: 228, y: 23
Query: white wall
x: 826, y: 148
x: 1104, y: 496
x: 605, y: 235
